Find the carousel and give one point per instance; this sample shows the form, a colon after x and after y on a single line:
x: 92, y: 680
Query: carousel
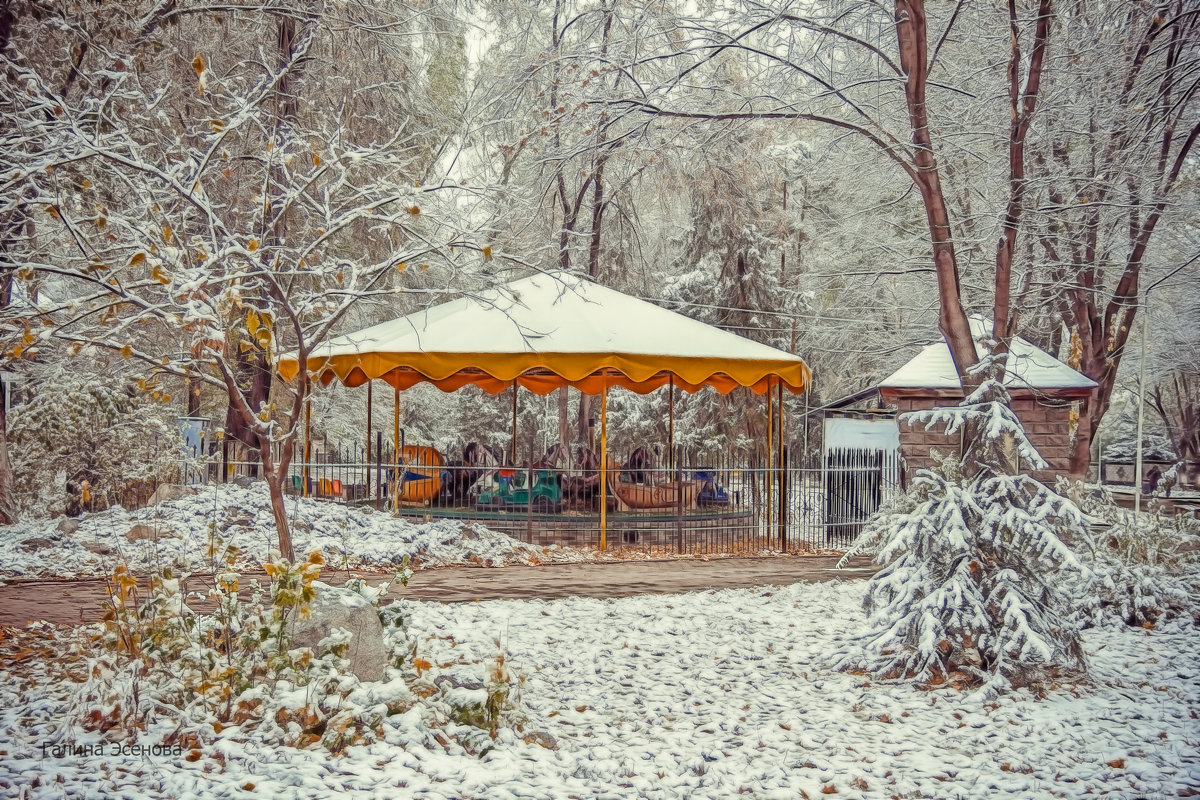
x: 542, y: 333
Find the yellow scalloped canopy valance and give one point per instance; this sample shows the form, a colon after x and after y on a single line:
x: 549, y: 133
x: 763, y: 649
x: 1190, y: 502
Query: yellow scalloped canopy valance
x: 549, y: 331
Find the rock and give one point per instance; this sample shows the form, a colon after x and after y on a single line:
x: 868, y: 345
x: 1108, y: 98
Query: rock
x: 67, y: 526
x: 238, y: 519
x: 243, y: 481
x: 139, y: 532
x: 335, y: 608
x: 546, y: 740
x: 458, y: 679
x: 30, y: 545
x: 168, y: 491
x: 98, y: 548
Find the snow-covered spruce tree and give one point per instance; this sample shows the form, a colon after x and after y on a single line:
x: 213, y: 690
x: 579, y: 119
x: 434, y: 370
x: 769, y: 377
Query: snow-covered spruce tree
x: 973, y: 575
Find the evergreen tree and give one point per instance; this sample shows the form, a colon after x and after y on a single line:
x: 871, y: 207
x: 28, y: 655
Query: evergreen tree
x: 975, y: 564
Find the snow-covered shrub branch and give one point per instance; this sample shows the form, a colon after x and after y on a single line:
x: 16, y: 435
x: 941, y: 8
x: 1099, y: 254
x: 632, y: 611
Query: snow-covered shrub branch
x: 1147, y: 565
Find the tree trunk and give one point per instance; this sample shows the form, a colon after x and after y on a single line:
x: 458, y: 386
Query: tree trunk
x: 275, y: 475
x: 911, y: 35
x: 8, y: 506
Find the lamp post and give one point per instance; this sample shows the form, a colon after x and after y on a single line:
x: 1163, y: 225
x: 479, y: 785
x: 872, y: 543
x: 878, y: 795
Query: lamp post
x: 1145, y: 311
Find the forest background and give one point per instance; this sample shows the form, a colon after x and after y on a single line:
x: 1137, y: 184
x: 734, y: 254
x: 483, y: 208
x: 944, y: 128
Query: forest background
x: 189, y: 189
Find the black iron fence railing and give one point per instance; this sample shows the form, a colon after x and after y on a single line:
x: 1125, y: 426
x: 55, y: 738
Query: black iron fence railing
x: 651, y: 502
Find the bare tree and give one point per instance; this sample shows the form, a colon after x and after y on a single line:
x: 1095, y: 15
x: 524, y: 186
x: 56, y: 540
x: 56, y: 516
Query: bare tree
x: 194, y: 221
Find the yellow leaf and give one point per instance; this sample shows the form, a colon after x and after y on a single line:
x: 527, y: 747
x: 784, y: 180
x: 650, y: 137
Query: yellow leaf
x: 126, y: 351
x: 167, y: 233
x: 251, y: 321
x: 401, y: 266
x: 166, y: 398
x: 252, y: 245
x: 487, y: 254
x: 86, y: 184
x: 85, y: 493
x: 138, y: 258
x: 52, y: 211
x: 198, y: 64
x: 415, y: 210
x: 17, y: 351
x: 101, y: 222
x: 27, y: 339
x: 159, y: 275
x: 263, y: 337
x: 316, y: 160
x: 217, y: 125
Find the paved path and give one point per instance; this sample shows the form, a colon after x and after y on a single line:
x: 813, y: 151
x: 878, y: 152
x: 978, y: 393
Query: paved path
x: 79, y: 600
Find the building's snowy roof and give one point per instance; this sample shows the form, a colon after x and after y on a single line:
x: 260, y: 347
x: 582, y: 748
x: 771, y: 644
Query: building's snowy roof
x: 547, y: 331
x: 1027, y: 367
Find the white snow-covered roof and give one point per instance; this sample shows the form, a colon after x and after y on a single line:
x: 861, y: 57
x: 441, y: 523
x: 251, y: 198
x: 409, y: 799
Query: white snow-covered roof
x: 1028, y: 367
x: 548, y: 327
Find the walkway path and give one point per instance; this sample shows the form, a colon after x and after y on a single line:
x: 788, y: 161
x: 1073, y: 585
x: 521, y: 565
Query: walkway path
x: 79, y: 600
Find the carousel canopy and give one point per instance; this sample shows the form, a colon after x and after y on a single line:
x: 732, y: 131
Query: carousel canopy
x: 548, y: 331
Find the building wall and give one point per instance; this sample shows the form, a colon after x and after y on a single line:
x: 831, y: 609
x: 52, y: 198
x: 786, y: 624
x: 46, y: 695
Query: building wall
x: 1046, y: 421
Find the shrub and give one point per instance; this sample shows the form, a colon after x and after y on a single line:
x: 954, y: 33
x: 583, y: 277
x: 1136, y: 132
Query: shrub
x: 1147, y: 565
x: 84, y: 442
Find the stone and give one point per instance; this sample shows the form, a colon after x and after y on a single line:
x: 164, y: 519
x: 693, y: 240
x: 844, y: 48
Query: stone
x: 67, y: 526
x: 166, y: 492
x: 243, y: 481
x: 140, y: 532
x: 343, y: 609
x: 542, y: 738
x: 237, y: 519
x: 98, y: 548
x: 30, y: 545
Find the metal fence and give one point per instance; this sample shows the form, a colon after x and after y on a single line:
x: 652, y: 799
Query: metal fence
x: 654, y: 502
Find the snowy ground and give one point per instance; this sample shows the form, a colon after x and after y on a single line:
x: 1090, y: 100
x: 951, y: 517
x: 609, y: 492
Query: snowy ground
x: 179, y: 533
x: 703, y: 695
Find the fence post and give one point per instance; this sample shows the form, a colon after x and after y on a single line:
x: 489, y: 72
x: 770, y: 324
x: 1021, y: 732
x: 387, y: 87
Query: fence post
x: 785, y: 476
x: 679, y: 489
x: 378, y: 469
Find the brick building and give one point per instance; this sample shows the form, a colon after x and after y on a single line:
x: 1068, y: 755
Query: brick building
x: 1043, y: 389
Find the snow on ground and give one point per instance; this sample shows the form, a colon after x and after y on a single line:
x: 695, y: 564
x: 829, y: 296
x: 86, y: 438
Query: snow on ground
x: 179, y: 533
x: 703, y: 695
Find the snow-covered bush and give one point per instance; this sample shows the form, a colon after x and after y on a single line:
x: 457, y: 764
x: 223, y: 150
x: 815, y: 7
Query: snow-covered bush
x: 236, y: 673
x: 975, y: 564
x: 84, y: 443
x: 1147, y: 565
x: 234, y: 667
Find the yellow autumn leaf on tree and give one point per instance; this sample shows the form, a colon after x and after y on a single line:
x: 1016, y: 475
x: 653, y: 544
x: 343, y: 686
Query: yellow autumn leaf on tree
x: 251, y: 321
x: 316, y: 160
x: 159, y: 275
x: 198, y: 64
x: 138, y: 258
x: 263, y: 337
x: 487, y: 254
x: 415, y: 210
x: 252, y: 245
x: 126, y: 351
